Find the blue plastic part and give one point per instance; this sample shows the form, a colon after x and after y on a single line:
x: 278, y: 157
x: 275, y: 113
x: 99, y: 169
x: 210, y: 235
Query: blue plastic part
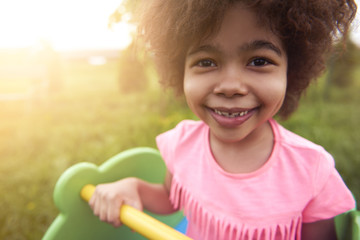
x: 182, y: 226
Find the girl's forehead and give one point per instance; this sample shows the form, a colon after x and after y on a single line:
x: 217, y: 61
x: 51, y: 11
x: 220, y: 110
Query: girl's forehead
x: 239, y: 20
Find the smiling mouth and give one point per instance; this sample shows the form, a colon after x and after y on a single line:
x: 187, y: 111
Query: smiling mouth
x: 232, y: 117
x: 231, y: 114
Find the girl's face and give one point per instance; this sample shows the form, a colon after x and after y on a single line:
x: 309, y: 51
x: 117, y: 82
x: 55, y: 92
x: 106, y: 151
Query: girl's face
x: 236, y: 80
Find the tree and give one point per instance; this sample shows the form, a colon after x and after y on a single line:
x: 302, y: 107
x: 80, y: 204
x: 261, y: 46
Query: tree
x: 342, y: 64
x: 133, y: 61
x: 125, y: 12
x: 133, y: 77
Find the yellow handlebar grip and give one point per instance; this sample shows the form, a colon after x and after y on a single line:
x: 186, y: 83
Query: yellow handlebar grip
x: 140, y: 222
x: 87, y: 191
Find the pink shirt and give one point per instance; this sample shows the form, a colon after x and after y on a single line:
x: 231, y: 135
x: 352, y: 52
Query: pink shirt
x: 298, y: 183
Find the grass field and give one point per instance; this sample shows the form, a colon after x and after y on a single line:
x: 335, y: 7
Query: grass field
x: 89, y: 120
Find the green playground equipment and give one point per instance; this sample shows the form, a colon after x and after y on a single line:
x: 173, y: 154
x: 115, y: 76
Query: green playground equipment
x: 76, y: 220
x: 348, y: 225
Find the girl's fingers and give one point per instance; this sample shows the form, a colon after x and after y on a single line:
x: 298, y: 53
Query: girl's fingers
x: 113, y: 213
x: 98, y: 205
x: 103, y: 209
x: 95, y: 206
x: 108, y: 198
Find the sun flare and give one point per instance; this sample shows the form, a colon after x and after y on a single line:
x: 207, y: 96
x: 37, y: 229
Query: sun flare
x: 66, y: 24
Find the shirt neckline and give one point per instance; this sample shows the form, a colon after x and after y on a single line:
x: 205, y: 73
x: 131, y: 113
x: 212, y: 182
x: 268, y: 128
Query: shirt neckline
x: 255, y: 173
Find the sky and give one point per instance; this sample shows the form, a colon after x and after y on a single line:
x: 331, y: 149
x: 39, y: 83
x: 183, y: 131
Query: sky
x: 70, y: 24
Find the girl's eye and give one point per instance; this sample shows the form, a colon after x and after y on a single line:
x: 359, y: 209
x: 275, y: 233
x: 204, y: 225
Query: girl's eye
x: 259, y: 62
x: 206, y: 63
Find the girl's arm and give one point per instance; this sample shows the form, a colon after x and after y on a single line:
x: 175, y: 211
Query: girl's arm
x: 108, y: 198
x: 320, y: 230
x: 155, y: 197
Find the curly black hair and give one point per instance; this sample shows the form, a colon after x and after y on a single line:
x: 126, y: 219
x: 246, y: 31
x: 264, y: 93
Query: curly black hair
x: 307, y: 28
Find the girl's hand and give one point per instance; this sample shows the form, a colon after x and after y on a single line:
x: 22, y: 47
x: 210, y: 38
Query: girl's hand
x: 108, y: 199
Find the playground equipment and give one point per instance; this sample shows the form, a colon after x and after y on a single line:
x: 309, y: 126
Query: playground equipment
x: 348, y: 225
x: 76, y: 220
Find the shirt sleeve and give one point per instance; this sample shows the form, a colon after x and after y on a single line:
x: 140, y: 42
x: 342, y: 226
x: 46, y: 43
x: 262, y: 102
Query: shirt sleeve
x: 168, y: 142
x: 164, y: 145
x: 331, y: 196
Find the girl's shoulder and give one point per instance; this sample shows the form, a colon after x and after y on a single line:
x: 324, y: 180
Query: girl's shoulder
x: 184, y: 131
x: 186, y: 135
x: 301, y: 155
x: 188, y: 124
x: 313, y: 169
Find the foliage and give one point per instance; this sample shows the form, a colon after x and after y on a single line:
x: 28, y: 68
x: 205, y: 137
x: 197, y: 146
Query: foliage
x: 133, y: 60
x: 124, y: 12
x: 342, y: 66
x: 132, y: 75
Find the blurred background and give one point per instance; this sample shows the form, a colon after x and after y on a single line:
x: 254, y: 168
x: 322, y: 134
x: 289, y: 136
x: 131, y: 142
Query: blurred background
x: 74, y: 88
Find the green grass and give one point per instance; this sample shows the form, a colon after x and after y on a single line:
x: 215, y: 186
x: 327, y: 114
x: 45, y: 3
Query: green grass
x: 89, y: 120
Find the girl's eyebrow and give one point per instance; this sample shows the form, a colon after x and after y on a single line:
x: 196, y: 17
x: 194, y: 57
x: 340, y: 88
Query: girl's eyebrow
x: 251, y: 46
x: 261, y: 44
x: 204, y: 48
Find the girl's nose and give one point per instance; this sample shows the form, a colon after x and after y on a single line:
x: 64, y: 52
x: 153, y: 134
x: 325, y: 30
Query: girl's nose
x: 231, y: 84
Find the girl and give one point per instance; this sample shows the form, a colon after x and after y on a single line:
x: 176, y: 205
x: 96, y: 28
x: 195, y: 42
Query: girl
x: 236, y: 173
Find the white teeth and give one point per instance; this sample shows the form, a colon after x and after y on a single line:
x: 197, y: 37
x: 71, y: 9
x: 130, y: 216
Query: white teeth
x: 230, y: 115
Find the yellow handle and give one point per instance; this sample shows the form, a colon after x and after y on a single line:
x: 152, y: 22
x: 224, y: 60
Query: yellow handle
x: 140, y: 222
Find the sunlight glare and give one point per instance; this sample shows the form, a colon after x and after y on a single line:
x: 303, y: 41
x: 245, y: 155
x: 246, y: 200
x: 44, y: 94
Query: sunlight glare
x: 69, y: 25
x: 66, y: 24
